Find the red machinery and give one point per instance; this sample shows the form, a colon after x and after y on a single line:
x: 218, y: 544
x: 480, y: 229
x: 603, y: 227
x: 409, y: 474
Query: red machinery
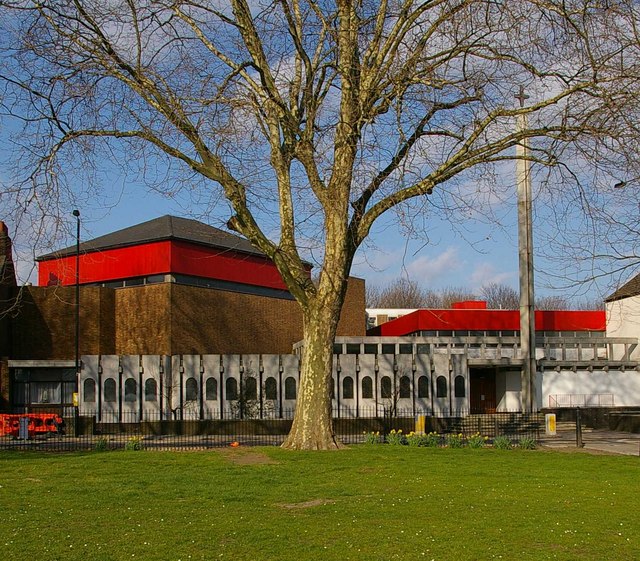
x: 39, y: 423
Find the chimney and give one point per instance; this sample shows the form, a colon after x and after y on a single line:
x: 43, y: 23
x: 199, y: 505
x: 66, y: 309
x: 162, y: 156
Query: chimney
x: 7, y: 270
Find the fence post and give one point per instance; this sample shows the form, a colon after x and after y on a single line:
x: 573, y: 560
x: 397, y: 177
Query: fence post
x: 579, y: 443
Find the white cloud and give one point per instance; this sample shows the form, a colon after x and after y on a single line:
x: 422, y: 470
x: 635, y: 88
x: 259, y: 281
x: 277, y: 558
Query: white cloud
x: 485, y: 273
x: 428, y: 269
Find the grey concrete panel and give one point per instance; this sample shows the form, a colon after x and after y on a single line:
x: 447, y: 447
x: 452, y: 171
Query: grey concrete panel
x: 151, y: 408
x: 367, y: 368
x: 290, y: 370
x: 423, y: 368
x: 231, y: 365
x: 110, y: 409
x: 211, y: 365
x: 441, y: 405
x: 459, y: 368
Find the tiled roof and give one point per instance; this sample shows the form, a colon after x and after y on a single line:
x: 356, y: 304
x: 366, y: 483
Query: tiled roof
x: 631, y: 288
x: 163, y: 228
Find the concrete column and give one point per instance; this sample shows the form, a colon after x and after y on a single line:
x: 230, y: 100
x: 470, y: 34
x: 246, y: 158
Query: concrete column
x: 525, y: 251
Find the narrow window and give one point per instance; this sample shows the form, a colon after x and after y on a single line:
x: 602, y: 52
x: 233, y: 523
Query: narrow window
x: 347, y: 387
x: 211, y: 389
x: 109, y: 390
x: 191, y: 387
x: 423, y: 386
x: 250, y: 388
x: 130, y: 390
x: 271, y: 388
x: 150, y: 390
x: 405, y: 386
x: 367, y: 387
x: 441, y: 386
x: 290, y: 388
x: 385, y: 387
x: 89, y: 391
x: 231, y: 387
x: 459, y: 387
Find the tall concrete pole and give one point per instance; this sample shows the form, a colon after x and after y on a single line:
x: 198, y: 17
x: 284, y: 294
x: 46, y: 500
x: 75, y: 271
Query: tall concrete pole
x: 525, y: 252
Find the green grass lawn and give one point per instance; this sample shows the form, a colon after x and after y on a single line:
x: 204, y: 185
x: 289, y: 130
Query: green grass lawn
x: 367, y: 502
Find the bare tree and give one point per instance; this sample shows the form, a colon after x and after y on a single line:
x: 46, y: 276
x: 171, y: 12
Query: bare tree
x: 552, y: 303
x: 500, y: 296
x: 315, y: 119
x: 401, y: 293
x: 451, y: 294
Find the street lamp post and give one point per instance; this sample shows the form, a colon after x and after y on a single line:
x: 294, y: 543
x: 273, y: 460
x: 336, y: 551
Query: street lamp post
x: 76, y: 213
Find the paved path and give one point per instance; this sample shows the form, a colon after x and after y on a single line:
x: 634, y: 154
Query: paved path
x: 611, y: 442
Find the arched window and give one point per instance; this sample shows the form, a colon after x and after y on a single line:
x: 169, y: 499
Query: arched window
x: 89, y: 391
x: 405, y: 386
x: 385, y: 387
x: 150, y: 390
x: 367, y: 387
x: 109, y: 390
x: 290, y: 388
x: 231, y: 388
x: 441, y: 386
x: 130, y: 390
x: 191, y: 390
x: 459, y: 386
x: 250, y: 388
x: 211, y: 389
x: 271, y: 388
x: 347, y: 387
x: 423, y: 386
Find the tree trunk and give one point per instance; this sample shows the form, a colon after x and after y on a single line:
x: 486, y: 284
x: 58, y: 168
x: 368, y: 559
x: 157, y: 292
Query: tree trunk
x: 312, y: 427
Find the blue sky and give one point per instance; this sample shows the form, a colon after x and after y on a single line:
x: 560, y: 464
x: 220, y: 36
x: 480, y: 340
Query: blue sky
x: 468, y: 253
x: 484, y: 254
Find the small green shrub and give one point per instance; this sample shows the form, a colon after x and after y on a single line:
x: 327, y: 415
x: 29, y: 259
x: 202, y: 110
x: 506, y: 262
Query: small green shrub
x: 477, y: 440
x: 527, y: 443
x: 372, y: 437
x: 416, y: 439
x: 432, y: 440
x: 502, y: 443
x: 134, y: 443
x: 454, y: 441
x: 396, y: 438
x: 101, y: 444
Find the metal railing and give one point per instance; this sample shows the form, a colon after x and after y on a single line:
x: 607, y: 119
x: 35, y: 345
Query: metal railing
x: 85, y: 433
x: 581, y: 400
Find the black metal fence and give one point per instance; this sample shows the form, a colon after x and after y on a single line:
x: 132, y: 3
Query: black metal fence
x: 155, y: 432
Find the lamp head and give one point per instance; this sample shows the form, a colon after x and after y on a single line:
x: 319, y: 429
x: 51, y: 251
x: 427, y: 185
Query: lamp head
x: 76, y: 213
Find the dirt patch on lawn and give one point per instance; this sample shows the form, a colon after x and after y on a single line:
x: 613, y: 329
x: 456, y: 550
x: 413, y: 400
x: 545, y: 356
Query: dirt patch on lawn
x: 245, y: 456
x: 306, y: 504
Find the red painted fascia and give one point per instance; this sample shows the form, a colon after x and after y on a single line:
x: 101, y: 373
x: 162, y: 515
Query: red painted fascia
x: 489, y: 320
x: 226, y: 265
x: 108, y: 265
x: 162, y: 257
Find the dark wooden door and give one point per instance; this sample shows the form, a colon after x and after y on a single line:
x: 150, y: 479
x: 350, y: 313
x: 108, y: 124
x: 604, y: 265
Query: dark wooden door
x: 483, y: 391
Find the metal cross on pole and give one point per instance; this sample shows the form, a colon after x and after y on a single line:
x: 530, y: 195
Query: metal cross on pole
x: 521, y: 96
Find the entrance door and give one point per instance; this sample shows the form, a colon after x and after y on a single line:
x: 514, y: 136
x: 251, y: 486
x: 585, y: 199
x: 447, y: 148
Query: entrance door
x: 483, y: 390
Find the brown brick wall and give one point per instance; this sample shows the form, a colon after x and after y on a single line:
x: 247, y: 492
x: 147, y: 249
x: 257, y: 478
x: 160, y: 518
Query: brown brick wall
x: 44, y: 326
x: 212, y: 321
x: 4, y: 384
x: 163, y: 318
x: 353, y: 316
x: 143, y: 319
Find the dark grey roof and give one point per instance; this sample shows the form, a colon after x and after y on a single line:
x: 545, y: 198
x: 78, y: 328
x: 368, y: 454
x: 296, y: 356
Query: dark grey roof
x: 631, y: 288
x: 163, y: 228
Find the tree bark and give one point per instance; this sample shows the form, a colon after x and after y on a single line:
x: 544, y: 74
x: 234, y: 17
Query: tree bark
x: 312, y: 427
